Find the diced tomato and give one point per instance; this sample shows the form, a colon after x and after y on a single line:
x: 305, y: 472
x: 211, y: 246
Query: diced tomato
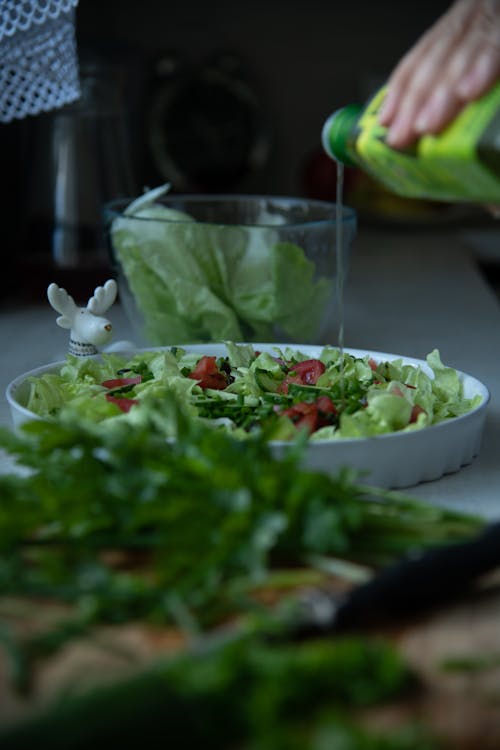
x: 287, y: 380
x: 303, y: 373
x: 312, y: 416
x: 373, y: 364
x: 326, y: 409
x: 326, y: 405
x: 123, y: 403
x: 416, y: 410
x: 205, y: 366
x: 308, y: 422
x: 303, y: 415
x: 208, y: 374
x: 121, y: 382
x: 309, y: 370
x: 216, y: 382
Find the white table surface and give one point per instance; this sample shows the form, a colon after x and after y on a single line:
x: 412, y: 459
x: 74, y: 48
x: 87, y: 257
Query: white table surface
x: 408, y: 292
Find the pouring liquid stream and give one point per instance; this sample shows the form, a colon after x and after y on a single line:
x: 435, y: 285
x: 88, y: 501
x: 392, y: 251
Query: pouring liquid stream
x: 340, y: 269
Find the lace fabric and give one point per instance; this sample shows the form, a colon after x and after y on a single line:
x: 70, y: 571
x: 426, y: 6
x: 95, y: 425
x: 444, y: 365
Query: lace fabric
x: 38, y: 57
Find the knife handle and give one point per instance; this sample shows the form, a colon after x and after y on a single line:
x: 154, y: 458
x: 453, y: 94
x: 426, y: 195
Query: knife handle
x: 432, y: 578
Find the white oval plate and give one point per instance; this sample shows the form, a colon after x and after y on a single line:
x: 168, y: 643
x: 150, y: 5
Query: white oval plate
x: 393, y: 460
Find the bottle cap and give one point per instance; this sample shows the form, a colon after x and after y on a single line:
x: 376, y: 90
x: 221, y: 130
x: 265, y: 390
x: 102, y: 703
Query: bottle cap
x: 337, y: 133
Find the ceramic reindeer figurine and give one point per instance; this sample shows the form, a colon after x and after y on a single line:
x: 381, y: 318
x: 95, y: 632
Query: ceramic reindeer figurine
x: 88, y: 328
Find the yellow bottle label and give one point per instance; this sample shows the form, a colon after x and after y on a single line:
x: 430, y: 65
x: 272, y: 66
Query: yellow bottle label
x: 461, y: 163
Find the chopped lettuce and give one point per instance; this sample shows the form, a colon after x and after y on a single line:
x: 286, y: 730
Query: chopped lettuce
x: 195, y: 281
x: 364, y: 398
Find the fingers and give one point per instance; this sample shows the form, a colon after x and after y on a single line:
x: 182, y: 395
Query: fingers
x: 457, y: 60
x: 422, y: 106
x: 443, y: 102
x: 442, y: 107
x: 409, y: 83
x: 483, y: 73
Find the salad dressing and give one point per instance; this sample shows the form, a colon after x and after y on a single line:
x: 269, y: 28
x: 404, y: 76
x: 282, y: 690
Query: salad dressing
x: 339, y: 239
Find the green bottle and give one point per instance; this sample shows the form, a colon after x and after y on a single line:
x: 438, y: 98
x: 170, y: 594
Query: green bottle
x: 460, y: 164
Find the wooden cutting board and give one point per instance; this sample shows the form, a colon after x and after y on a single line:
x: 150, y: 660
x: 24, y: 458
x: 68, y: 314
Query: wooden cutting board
x: 461, y: 706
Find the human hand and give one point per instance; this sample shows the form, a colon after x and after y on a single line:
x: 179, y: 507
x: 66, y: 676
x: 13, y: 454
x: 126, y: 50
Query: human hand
x: 455, y: 61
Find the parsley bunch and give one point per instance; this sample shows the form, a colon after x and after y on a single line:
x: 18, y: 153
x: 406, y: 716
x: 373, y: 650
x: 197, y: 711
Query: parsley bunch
x: 209, y: 515
x: 121, y: 524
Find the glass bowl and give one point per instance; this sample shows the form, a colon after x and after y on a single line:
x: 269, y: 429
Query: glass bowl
x: 211, y: 268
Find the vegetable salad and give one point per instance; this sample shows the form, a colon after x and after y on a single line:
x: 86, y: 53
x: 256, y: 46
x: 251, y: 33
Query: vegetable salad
x: 278, y: 392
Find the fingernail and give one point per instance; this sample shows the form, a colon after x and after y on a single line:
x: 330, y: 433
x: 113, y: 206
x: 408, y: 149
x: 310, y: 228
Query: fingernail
x: 430, y: 116
x: 384, y: 116
x: 467, y: 85
x: 392, y: 138
x: 386, y: 110
x: 396, y: 134
x: 475, y: 79
x: 422, y: 122
x: 464, y: 87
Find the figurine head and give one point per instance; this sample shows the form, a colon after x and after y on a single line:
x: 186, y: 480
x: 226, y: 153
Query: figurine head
x: 88, y: 328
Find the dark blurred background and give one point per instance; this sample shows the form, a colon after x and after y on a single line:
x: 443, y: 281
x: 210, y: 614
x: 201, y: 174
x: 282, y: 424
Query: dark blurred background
x: 295, y: 61
x: 212, y: 97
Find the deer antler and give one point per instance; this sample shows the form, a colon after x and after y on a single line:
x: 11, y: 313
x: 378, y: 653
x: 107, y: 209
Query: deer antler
x: 103, y: 298
x: 62, y: 303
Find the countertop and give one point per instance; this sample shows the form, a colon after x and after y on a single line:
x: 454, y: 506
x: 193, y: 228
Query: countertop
x: 407, y: 292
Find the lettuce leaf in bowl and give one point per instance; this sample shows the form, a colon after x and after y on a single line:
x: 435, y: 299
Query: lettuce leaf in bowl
x: 193, y: 281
